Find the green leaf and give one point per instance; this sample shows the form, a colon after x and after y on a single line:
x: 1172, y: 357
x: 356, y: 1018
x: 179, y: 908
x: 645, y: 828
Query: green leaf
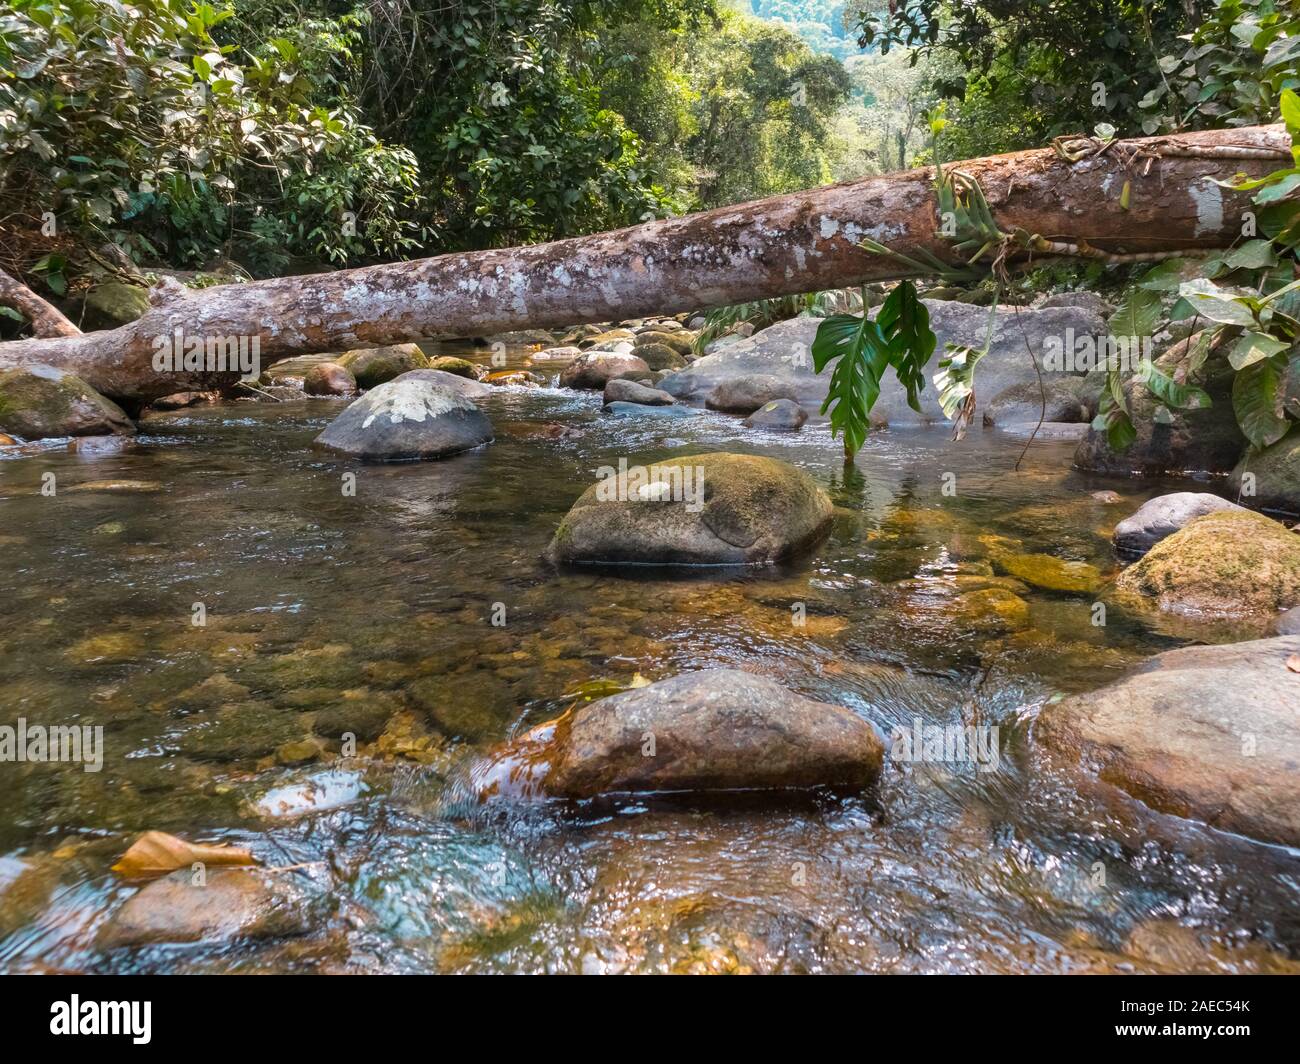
x: 904, y: 321
x: 1252, y: 347
x: 1257, y: 395
x: 1137, y: 315
x: 863, y: 356
x: 1253, y: 255
x: 1168, y: 391
x: 1217, y: 304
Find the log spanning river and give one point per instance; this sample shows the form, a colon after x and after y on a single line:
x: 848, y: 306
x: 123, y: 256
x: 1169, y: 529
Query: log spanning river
x: 222, y: 602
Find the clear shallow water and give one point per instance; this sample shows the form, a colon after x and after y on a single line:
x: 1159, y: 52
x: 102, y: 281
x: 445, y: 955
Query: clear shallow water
x: 372, y: 613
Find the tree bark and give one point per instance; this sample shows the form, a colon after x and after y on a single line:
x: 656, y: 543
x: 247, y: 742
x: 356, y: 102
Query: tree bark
x: 46, y: 320
x: 800, y: 242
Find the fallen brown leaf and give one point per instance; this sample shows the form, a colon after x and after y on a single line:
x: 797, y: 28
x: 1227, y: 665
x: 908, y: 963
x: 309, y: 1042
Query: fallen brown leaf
x: 155, y: 853
x: 1293, y: 663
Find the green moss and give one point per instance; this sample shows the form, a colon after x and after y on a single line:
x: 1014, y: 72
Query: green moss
x: 1232, y: 563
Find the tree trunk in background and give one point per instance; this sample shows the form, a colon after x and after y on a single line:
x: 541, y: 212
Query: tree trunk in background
x: 800, y: 242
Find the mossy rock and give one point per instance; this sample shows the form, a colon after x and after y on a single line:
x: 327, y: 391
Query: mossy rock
x: 659, y: 356
x: 706, y: 509
x: 1050, y: 573
x: 41, y: 401
x: 461, y: 367
x: 677, y: 341
x: 374, y: 366
x: 1234, y: 563
x: 114, y: 303
x: 610, y: 336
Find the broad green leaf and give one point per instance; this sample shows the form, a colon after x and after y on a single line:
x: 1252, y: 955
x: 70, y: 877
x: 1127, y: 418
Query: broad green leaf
x: 1253, y: 255
x: 1252, y: 347
x: 1217, y: 304
x: 1168, y: 391
x: 1257, y: 396
x: 1137, y: 315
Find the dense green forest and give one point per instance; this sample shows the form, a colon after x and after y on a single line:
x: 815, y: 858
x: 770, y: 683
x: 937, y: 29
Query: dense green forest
x: 283, y: 137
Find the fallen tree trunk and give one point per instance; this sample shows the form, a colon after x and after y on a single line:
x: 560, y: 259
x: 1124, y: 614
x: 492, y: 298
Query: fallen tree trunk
x: 800, y: 242
x: 46, y: 320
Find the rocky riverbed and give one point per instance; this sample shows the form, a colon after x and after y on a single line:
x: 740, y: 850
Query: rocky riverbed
x: 419, y: 693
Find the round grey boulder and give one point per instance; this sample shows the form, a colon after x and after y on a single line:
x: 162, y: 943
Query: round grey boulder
x: 780, y: 415
x: 405, y: 420
x: 625, y: 391
x: 1163, y: 516
x: 744, y: 395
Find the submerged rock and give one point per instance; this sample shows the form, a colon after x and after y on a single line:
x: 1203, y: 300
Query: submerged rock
x: 618, y: 408
x: 1233, y: 563
x: 232, y: 903
x: 595, y: 369
x: 780, y: 415
x: 407, y: 419
x: 1163, y: 516
x: 41, y: 401
x: 624, y: 391
x: 716, y: 730
x: 1050, y: 573
x: 1206, y: 732
x: 329, y: 378
x: 374, y: 366
x: 1271, y: 475
x: 707, y: 509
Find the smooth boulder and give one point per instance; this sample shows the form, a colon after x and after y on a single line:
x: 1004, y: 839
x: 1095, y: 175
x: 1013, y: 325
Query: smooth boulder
x: 466, y: 387
x: 407, y: 419
x: 1229, y: 564
x: 1270, y: 479
x: 716, y: 730
x: 39, y: 402
x: 329, y: 378
x: 1162, y: 516
x: 233, y: 903
x: 625, y: 391
x: 744, y: 395
x: 1211, y: 733
x: 704, y: 509
x: 374, y: 366
x: 780, y: 415
x: 595, y: 369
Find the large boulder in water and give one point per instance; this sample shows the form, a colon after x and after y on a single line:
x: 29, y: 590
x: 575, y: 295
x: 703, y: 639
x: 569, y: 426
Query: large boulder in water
x: 407, y: 419
x: 1206, y: 732
x: 465, y: 387
x: 744, y: 395
x: 373, y: 366
x: 717, y: 730
x: 704, y: 509
x: 42, y: 401
x: 1230, y: 564
x: 784, y: 351
x: 1162, y: 516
